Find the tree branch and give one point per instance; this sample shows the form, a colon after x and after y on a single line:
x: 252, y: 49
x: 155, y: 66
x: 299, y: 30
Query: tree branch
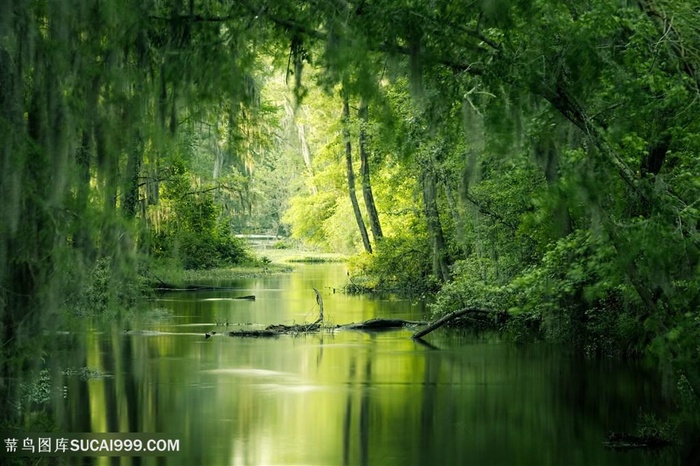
x: 453, y: 315
x: 662, y: 23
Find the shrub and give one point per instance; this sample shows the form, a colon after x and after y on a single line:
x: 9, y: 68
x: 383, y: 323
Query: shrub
x: 475, y: 285
x: 397, y: 264
x: 201, y: 251
x: 581, y: 296
x: 105, y: 289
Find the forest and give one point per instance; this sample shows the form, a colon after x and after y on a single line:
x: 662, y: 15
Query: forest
x: 536, y: 157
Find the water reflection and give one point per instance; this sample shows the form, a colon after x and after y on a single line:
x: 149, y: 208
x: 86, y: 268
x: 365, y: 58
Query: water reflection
x: 348, y: 397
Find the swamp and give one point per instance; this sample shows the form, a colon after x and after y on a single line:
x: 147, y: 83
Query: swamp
x: 281, y: 232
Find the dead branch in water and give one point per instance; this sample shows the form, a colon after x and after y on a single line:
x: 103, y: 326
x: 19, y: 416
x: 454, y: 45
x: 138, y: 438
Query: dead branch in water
x: 319, y: 301
x: 496, y: 315
x: 276, y: 330
x: 382, y: 324
x: 371, y: 324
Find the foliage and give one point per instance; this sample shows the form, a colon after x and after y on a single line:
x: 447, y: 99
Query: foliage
x: 651, y: 427
x: 398, y: 264
x: 562, y: 140
x: 534, y: 156
x: 107, y: 291
x: 203, y: 251
x: 577, y: 295
x: 198, y: 236
x: 475, y: 285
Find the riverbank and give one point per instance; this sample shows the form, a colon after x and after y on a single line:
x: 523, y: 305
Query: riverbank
x: 268, y: 261
x: 292, y: 256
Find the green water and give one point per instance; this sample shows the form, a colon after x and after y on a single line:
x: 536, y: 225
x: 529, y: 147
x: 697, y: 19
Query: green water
x: 347, y: 397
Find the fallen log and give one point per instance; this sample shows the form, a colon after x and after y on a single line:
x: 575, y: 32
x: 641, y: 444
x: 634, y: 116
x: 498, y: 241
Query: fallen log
x: 296, y: 329
x: 382, y: 324
x: 368, y: 325
x: 281, y: 329
x: 253, y: 333
x: 276, y: 330
x: 456, y: 314
x: 250, y: 297
x: 166, y: 287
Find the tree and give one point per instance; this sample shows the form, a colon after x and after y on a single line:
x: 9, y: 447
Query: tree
x: 351, y: 176
x: 367, y: 194
x: 80, y: 85
x: 494, y: 114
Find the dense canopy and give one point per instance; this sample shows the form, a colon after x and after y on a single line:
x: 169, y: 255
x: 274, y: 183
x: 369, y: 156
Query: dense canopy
x: 539, y: 157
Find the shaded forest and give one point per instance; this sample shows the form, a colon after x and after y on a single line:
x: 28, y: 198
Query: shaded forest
x: 536, y: 157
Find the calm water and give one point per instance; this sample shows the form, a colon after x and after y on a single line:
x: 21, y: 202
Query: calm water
x: 347, y: 397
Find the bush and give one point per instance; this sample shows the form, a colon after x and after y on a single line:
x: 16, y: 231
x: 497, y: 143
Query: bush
x: 576, y: 294
x: 231, y: 250
x: 198, y: 252
x: 283, y: 244
x: 475, y: 285
x: 397, y: 264
x: 210, y: 251
x: 582, y: 298
x: 105, y: 290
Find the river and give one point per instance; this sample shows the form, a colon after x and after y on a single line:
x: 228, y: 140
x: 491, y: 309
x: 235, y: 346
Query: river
x: 347, y: 397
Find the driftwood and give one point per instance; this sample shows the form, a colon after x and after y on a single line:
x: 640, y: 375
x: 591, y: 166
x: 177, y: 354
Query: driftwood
x: 382, y: 324
x: 165, y: 287
x: 319, y: 301
x: 253, y: 333
x: 279, y: 329
x: 276, y: 330
x: 495, y: 315
x: 484, y: 316
x: 368, y: 325
x: 297, y: 328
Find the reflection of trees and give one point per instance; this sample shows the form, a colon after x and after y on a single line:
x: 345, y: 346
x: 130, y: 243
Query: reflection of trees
x: 427, y: 406
x: 365, y: 384
x: 347, y: 418
x: 365, y: 413
x: 366, y: 398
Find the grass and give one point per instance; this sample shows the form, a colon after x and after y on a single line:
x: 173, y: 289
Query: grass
x: 171, y: 273
x: 270, y: 261
x: 290, y: 256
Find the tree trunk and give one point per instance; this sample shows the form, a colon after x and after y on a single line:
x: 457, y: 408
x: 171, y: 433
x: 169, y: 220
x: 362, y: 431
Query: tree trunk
x: 163, y: 98
x: 546, y: 153
x: 83, y: 159
x: 351, y: 176
x: 306, y: 155
x: 428, y: 182
x: 107, y: 163
x: 653, y: 161
x: 131, y: 181
x: 374, y: 224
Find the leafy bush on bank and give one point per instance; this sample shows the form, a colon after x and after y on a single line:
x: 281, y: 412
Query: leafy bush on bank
x: 397, y: 265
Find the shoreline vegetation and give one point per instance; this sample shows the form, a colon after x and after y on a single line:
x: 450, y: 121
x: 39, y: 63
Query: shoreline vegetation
x: 165, y: 274
x: 534, y: 158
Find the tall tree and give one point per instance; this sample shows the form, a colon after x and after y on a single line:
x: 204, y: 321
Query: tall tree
x: 351, y: 175
x: 374, y: 223
x: 432, y: 215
